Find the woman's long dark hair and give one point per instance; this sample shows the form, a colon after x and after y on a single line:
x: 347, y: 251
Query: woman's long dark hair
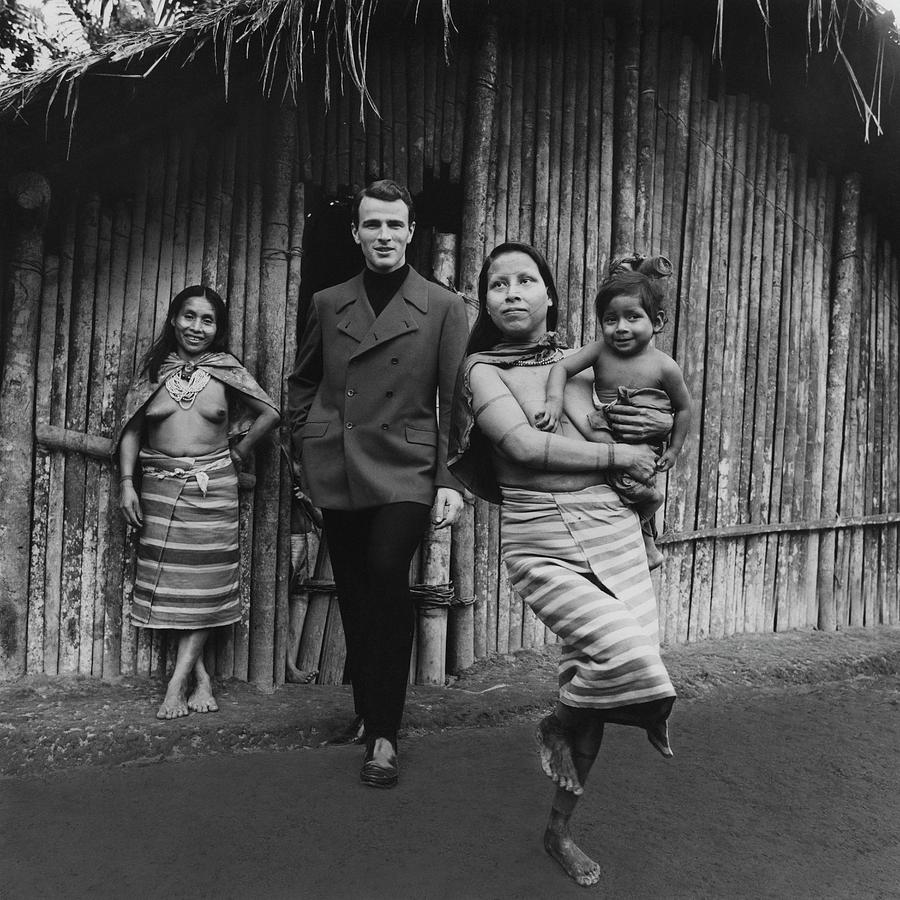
x: 485, y: 334
x: 166, y: 343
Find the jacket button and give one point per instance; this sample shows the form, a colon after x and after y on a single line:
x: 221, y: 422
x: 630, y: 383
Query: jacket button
x: 384, y: 427
x: 349, y: 425
x: 389, y: 394
x: 395, y: 361
x: 351, y: 393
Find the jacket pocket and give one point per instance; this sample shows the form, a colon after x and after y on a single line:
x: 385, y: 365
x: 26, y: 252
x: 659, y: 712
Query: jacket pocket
x: 313, y: 430
x: 420, y: 436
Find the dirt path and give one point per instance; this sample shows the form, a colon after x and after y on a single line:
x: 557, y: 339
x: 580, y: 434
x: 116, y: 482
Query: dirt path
x: 787, y: 792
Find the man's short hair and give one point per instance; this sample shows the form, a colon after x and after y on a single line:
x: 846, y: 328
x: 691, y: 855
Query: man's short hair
x: 385, y: 189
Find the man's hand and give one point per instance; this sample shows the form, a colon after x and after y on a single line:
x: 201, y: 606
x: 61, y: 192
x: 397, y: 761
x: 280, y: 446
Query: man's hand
x: 448, y: 504
x: 631, y: 424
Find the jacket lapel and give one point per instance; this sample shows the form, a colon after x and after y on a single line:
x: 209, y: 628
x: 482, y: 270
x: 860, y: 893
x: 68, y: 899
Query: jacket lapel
x: 355, y: 316
x: 397, y: 317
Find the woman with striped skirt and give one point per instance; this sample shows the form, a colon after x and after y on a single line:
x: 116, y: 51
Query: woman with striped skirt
x: 573, y: 550
x: 188, y: 399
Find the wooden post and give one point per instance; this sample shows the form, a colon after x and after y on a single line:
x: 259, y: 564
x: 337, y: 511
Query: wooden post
x: 43, y: 465
x: 475, y: 166
x: 626, y: 127
x: 31, y: 197
x: 272, y: 290
x: 846, y: 288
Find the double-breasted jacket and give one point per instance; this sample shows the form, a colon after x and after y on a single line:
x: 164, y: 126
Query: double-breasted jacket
x: 369, y: 399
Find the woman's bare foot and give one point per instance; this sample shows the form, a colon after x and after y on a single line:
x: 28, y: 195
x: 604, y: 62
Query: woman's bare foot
x: 576, y: 864
x: 202, y: 700
x: 555, y: 747
x: 293, y: 675
x: 175, y: 704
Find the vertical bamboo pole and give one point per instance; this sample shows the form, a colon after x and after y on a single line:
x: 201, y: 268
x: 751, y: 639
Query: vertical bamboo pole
x: 527, y: 148
x: 869, y: 484
x: 267, y: 584
x: 594, y: 28
x: 182, y: 223
x: 755, y: 409
x: 555, y: 45
x: 432, y: 97
x: 374, y: 167
x: 466, y: 87
x: 34, y: 663
x: 74, y: 496
x: 646, y: 135
x: 579, y: 212
x: 514, y: 191
x: 541, y: 24
x: 416, y: 101
x: 90, y: 657
x: 689, y: 326
x: 504, y: 127
x: 110, y: 572
x: 607, y: 156
x: 448, y: 114
x: 197, y: 228
x: 401, y: 114
x: 626, y: 121
x: 30, y: 194
x: 815, y: 425
x: 569, y: 302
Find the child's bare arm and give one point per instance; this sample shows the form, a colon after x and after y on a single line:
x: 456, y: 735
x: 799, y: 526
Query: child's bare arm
x: 547, y: 418
x: 674, y: 386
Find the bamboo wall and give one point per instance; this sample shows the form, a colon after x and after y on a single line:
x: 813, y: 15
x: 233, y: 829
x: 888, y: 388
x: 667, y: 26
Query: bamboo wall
x: 585, y: 133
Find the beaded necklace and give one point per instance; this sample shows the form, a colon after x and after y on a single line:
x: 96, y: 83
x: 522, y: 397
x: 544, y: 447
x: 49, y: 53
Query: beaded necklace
x: 541, y: 358
x: 186, y: 383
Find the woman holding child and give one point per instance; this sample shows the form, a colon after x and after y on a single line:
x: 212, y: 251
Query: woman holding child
x: 573, y: 548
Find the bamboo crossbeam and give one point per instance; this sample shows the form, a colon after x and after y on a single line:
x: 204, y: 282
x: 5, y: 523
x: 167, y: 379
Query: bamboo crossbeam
x: 54, y: 437
x: 820, y: 525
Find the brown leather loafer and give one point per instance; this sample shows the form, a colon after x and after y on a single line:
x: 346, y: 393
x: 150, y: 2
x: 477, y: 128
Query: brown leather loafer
x: 353, y: 733
x: 380, y: 768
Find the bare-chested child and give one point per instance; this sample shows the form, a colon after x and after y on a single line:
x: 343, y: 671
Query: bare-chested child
x: 628, y: 370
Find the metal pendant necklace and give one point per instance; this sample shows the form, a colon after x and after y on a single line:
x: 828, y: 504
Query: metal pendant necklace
x: 184, y: 384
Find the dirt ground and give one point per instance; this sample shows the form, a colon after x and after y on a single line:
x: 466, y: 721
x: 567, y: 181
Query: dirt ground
x: 784, y: 785
x: 50, y: 723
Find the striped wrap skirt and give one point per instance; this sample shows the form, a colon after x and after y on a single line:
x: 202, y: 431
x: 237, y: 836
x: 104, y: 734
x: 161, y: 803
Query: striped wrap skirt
x: 188, y: 567
x: 577, y: 558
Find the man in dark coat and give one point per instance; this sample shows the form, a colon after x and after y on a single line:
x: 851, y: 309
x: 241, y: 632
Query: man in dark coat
x: 371, y: 434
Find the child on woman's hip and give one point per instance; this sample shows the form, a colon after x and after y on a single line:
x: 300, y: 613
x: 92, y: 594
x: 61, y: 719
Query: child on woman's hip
x: 628, y: 371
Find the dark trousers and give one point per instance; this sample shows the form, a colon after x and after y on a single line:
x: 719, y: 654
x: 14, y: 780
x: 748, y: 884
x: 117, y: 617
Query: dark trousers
x: 370, y: 551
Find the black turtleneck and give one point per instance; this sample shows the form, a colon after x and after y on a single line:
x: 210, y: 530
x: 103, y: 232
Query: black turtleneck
x: 380, y: 287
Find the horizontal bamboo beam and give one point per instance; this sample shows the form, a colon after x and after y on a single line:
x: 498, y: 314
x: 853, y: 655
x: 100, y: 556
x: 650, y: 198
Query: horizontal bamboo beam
x: 730, y: 531
x: 52, y: 437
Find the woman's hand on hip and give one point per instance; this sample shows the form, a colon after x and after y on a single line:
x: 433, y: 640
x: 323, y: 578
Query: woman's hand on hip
x: 130, y: 505
x: 637, y: 460
x: 631, y: 423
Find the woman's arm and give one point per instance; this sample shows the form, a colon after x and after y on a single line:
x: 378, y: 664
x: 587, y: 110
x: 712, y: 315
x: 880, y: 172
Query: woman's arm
x: 129, y: 447
x: 266, y: 419
x: 504, y: 424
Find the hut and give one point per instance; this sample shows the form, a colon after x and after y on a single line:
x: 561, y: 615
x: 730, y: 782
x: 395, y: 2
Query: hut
x: 225, y: 150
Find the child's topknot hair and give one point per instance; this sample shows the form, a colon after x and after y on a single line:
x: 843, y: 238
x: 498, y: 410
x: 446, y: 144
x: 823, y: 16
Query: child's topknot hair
x: 648, y: 291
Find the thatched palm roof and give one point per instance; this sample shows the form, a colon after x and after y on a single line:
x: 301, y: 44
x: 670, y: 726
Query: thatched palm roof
x: 280, y: 31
